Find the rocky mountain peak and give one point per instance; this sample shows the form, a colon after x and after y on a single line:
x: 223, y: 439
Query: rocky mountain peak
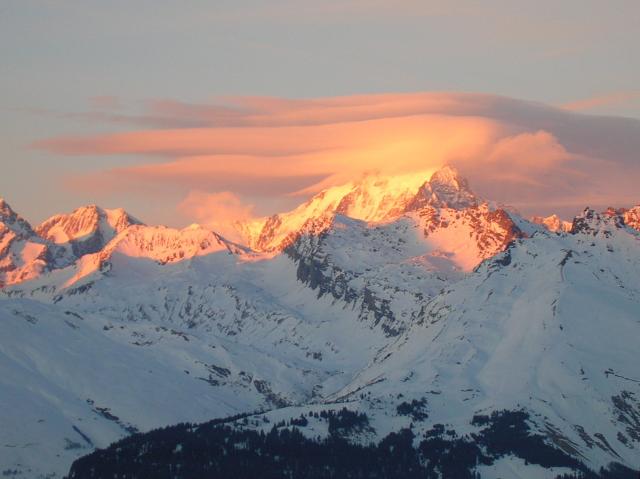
x: 86, y: 229
x: 14, y: 222
x: 592, y: 222
x: 445, y: 189
x: 449, y: 176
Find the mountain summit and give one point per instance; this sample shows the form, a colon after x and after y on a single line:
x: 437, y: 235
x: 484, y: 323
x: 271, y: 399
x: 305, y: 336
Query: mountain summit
x: 23, y: 255
x: 87, y: 229
x: 445, y: 189
x: 373, y: 199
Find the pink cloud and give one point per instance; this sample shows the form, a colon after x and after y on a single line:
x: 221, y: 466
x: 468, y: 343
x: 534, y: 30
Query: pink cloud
x: 257, y: 147
x: 218, y: 211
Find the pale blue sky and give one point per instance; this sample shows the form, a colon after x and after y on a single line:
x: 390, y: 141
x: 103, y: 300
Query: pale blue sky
x: 58, y: 55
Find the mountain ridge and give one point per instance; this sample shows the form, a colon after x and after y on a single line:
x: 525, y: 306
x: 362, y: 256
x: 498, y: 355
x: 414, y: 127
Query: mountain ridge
x: 449, y: 311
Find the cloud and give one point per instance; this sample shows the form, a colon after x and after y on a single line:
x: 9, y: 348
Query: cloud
x: 610, y: 99
x: 265, y: 160
x: 522, y: 169
x: 217, y: 211
x: 269, y: 151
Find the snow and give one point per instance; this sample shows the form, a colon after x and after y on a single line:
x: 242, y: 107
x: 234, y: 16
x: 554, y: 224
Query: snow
x: 423, y: 301
x: 553, y: 223
x: 374, y: 198
x: 510, y: 467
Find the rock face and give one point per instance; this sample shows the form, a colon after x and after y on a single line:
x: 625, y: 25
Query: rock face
x: 419, y: 307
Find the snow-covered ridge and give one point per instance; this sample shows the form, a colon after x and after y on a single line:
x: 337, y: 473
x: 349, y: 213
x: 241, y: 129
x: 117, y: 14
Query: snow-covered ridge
x: 373, y: 198
x: 167, y: 245
x: 616, y: 216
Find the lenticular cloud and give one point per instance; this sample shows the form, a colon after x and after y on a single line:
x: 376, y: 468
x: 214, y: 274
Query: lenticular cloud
x: 535, y: 157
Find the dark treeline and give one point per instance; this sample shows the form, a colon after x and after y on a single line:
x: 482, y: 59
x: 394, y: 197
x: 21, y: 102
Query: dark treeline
x: 219, y: 450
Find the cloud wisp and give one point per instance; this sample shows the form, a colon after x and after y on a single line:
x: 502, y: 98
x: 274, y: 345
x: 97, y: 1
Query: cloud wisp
x: 610, y: 99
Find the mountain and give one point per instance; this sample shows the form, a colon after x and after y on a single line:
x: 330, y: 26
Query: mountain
x: 435, y: 317
x: 632, y: 217
x: 553, y: 223
x: 374, y: 198
x: 23, y: 255
x: 27, y: 253
x: 85, y: 230
x: 523, y: 368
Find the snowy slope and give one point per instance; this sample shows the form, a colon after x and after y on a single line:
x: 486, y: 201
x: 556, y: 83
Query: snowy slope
x: 550, y: 326
x: 372, y: 295
x: 71, y: 382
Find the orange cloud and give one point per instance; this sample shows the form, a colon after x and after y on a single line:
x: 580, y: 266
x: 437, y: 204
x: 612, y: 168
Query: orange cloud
x: 325, y: 154
x: 253, y: 111
x: 527, y: 169
x: 218, y: 211
x: 268, y: 150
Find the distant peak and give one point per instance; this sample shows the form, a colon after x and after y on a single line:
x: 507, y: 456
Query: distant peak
x: 591, y: 222
x: 632, y: 217
x: 14, y: 221
x: 86, y: 229
x: 5, y: 208
x: 553, y: 223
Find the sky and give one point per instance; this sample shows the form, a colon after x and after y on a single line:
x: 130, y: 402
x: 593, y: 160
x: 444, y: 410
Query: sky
x: 249, y: 107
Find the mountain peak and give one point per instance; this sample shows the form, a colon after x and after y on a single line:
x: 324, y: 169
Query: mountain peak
x: 5, y: 210
x: 14, y: 221
x: 553, y: 223
x: 445, y: 189
x: 86, y: 229
x: 450, y: 176
x: 373, y: 198
x: 632, y: 217
x: 592, y: 222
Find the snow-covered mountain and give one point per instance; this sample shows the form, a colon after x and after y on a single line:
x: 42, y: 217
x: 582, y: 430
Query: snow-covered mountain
x: 23, y: 255
x: 374, y: 198
x: 631, y: 217
x: 85, y: 230
x: 414, y: 302
x: 549, y: 326
x: 553, y: 223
